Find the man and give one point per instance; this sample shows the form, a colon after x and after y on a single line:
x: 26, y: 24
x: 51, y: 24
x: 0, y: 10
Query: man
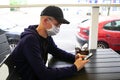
x: 30, y: 55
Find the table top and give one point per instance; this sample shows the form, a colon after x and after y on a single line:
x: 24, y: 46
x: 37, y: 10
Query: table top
x: 104, y: 65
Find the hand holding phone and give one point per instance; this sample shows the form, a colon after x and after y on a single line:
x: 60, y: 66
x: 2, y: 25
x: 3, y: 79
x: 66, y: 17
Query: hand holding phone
x: 88, y: 56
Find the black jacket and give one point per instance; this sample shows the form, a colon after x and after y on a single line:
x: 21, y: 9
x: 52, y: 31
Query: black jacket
x: 30, y: 57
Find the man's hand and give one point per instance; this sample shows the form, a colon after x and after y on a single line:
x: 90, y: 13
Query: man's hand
x: 79, y: 62
x: 79, y: 56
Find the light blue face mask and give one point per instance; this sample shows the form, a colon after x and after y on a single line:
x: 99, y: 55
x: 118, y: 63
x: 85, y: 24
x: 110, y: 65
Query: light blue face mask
x: 53, y: 31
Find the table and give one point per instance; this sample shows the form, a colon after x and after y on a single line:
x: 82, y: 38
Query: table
x: 104, y: 65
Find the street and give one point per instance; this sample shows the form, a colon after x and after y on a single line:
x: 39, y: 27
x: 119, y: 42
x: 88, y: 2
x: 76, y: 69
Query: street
x: 66, y: 38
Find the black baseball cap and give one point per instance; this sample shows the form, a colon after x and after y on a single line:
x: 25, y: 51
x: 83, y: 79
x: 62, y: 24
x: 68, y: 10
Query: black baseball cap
x: 55, y: 12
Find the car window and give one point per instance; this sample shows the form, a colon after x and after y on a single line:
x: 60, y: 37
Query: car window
x: 114, y: 25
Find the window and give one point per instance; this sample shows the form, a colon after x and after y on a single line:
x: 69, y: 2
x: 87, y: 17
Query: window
x: 114, y: 26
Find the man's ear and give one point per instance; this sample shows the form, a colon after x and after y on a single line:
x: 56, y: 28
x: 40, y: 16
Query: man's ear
x: 46, y: 20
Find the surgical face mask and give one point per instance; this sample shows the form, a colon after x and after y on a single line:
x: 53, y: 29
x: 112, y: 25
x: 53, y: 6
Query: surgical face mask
x: 53, y: 31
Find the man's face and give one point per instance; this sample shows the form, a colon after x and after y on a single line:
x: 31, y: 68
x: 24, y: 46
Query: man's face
x: 53, y: 26
x: 54, y: 22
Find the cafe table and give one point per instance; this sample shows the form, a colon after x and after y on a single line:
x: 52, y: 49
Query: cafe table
x: 103, y: 65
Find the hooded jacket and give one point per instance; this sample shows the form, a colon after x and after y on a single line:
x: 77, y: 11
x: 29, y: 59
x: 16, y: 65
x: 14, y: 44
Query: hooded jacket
x: 30, y: 57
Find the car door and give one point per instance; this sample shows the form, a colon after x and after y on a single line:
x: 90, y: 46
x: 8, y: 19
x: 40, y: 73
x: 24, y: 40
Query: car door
x: 113, y: 34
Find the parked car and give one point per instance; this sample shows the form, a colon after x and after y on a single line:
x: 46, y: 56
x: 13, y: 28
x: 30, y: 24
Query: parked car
x: 12, y: 32
x: 108, y: 32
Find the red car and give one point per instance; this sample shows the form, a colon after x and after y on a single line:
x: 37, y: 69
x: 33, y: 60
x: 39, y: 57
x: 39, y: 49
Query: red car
x: 108, y: 32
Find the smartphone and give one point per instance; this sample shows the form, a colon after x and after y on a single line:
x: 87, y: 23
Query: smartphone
x: 88, y: 56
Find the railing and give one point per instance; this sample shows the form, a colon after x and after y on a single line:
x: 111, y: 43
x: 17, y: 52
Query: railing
x: 61, y: 5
